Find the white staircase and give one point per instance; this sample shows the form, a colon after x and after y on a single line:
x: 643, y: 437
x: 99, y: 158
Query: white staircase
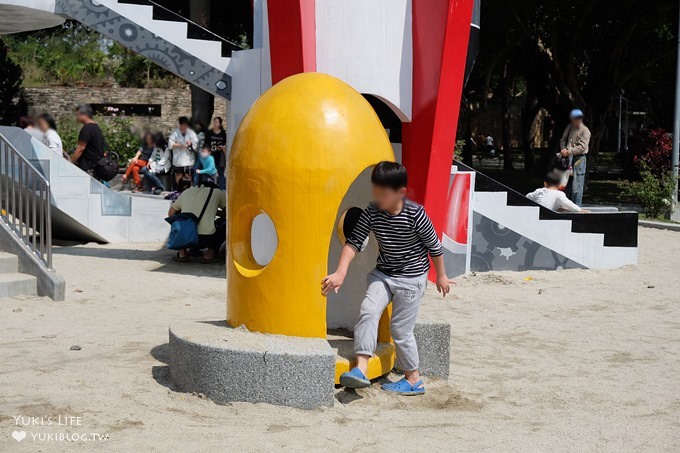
x: 83, y: 208
x: 587, y: 249
x: 173, y: 32
x: 12, y: 282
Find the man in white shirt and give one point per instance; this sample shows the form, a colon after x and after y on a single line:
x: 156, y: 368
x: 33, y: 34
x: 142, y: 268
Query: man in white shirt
x: 550, y: 196
x: 183, y: 143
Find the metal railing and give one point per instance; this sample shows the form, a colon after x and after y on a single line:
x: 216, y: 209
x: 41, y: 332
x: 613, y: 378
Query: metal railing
x: 25, y: 202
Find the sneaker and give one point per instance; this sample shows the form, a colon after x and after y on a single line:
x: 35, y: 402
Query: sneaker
x: 404, y: 387
x: 354, y: 379
x: 157, y: 191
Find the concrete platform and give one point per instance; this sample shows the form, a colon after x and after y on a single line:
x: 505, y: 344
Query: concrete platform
x: 434, y: 348
x: 227, y: 364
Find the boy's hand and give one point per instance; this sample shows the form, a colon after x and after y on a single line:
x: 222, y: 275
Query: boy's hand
x: 332, y: 282
x: 443, y: 284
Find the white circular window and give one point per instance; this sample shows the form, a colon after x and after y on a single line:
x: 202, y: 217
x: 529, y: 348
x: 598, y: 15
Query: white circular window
x: 263, y: 239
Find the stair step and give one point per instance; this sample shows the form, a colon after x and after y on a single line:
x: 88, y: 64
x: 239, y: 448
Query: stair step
x: 8, y: 263
x: 136, y: 2
x: 16, y: 284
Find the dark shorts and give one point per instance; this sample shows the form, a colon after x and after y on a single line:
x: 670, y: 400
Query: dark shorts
x: 187, y: 170
x: 212, y: 241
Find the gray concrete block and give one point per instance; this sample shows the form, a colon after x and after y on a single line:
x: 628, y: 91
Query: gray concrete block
x: 8, y: 262
x: 434, y: 348
x: 15, y: 284
x: 227, y: 364
x: 49, y: 283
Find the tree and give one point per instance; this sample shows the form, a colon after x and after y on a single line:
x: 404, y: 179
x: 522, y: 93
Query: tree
x: 202, y: 102
x: 68, y: 54
x: 73, y: 54
x: 579, y: 53
x: 12, y: 102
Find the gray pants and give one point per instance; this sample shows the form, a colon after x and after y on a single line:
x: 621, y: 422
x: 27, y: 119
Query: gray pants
x: 406, y: 294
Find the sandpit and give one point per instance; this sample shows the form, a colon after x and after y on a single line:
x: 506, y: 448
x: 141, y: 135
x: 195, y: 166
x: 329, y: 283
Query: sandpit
x: 540, y: 361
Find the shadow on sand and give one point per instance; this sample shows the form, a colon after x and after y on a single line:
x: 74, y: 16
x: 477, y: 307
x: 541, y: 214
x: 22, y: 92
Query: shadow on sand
x: 161, y: 256
x: 161, y: 373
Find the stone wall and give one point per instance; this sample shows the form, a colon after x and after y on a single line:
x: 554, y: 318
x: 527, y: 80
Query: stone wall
x: 61, y: 102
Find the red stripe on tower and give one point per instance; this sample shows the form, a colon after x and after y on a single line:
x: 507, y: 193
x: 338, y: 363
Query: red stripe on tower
x: 292, y: 37
x: 441, y: 30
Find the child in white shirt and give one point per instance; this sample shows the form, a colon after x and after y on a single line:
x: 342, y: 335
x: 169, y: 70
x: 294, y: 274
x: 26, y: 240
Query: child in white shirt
x: 551, y: 197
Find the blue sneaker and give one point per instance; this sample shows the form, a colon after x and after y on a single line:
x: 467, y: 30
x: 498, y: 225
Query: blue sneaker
x: 404, y: 387
x: 354, y: 379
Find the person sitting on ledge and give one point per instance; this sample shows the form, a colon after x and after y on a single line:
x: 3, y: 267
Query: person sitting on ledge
x: 140, y: 161
x: 210, y: 237
x: 550, y: 196
x: 205, y: 167
x: 159, y: 163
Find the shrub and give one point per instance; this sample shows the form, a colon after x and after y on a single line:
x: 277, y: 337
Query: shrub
x: 654, y: 192
x: 652, y: 150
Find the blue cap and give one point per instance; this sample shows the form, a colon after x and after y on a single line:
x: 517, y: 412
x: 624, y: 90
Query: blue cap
x: 576, y: 114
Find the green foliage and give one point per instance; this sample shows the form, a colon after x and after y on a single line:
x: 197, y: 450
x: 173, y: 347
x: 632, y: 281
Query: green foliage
x: 458, y: 149
x: 653, y: 192
x: 72, y: 54
x: 119, y: 131
x: 12, y: 102
x: 133, y: 70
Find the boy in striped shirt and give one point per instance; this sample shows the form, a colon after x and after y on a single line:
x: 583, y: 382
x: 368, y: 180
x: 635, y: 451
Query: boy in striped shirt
x: 405, y: 238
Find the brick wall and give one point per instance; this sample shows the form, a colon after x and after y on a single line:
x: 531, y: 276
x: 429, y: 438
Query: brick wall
x: 61, y: 102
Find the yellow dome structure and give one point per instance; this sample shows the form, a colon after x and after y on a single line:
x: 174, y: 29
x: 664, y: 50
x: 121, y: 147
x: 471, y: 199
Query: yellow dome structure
x: 296, y: 154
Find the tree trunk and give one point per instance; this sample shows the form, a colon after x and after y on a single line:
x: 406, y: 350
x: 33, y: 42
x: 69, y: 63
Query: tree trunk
x: 506, y: 122
x: 529, y: 114
x: 202, y: 103
x: 202, y: 106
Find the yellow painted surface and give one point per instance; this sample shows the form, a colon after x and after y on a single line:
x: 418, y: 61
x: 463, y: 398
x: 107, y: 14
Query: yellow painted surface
x: 384, y: 334
x: 380, y: 364
x: 294, y: 157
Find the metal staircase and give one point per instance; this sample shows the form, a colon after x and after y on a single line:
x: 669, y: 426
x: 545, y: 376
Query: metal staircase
x: 25, y: 228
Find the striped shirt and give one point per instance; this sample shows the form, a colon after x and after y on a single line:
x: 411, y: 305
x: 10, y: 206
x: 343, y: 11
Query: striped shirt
x: 404, y: 239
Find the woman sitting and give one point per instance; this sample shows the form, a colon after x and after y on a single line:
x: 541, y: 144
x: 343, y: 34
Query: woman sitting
x: 140, y: 161
x: 159, y: 163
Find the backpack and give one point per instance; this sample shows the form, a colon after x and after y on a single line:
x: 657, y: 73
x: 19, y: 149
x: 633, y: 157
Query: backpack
x: 106, y: 168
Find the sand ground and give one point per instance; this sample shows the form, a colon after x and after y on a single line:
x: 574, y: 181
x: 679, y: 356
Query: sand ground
x: 541, y: 361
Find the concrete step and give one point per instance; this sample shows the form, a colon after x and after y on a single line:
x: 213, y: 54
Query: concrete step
x: 8, y: 263
x: 16, y: 284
